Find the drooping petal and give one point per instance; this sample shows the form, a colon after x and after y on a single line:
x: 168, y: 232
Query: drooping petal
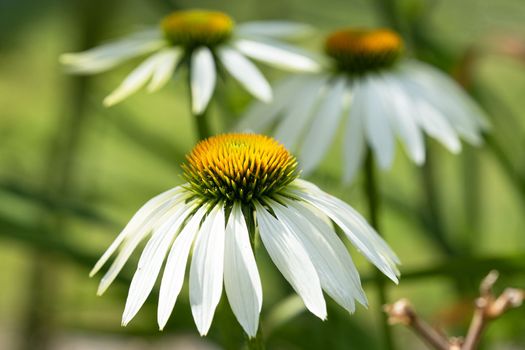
x: 360, y: 233
x: 206, y: 270
x: 349, y: 273
x: 133, y: 240
x: 277, y: 54
x: 203, y: 76
x: 260, y: 116
x: 109, y: 55
x: 137, y: 78
x: 151, y: 261
x: 290, y: 257
x: 168, y: 61
x: 354, y: 143
x: 378, y: 129
x: 173, y: 277
x: 472, y: 111
x: 429, y: 118
x: 241, y: 277
x: 334, y: 279
x: 325, y: 123
x: 298, y: 115
x: 246, y: 73
x: 274, y: 29
x: 445, y: 95
x: 143, y: 215
x: 403, y: 119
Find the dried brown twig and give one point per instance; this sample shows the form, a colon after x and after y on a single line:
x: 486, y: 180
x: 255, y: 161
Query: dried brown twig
x: 488, y: 308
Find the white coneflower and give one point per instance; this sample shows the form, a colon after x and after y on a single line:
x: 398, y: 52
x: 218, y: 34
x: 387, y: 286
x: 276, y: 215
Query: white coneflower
x: 240, y: 184
x: 375, y: 95
x: 205, y: 41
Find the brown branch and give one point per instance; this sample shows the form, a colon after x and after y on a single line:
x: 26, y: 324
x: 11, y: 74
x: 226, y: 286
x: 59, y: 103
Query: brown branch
x: 402, y: 312
x: 488, y: 308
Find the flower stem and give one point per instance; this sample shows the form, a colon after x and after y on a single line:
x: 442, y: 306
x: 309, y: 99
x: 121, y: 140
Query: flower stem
x: 432, y: 204
x: 202, y: 124
x: 388, y: 11
x: 256, y: 343
x: 372, y: 192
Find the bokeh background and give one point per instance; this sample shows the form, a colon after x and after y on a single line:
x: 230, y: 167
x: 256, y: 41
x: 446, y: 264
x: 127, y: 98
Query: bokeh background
x: 72, y: 173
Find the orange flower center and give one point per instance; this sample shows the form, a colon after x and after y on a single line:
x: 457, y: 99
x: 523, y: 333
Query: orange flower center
x: 192, y: 28
x: 360, y: 50
x: 239, y: 167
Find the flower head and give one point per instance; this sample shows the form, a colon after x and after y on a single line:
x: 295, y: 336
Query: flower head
x: 195, y: 28
x: 360, y: 51
x: 204, y: 40
x: 239, y: 185
x: 239, y: 167
x: 373, y: 94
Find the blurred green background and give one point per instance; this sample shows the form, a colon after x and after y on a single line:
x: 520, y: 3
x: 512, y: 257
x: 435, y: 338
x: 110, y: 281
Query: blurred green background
x: 72, y: 173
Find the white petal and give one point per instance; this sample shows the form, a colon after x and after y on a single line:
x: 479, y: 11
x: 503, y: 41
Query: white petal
x: 402, y: 118
x: 354, y: 143
x: 360, y: 233
x: 136, y: 79
x: 246, y: 73
x: 349, y: 274
x: 290, y: 257
x: 325, y: 123
x: 334, y: 279
x: 436, y: 126
x: 241, y: 277
x: 167, y: 61
x: 203, y: 78
x: 430, y: 118
x: 298, y: 114
x: 445, y: 95
x: 472, y: 112
x: 375, y: 115
x: 151, y: 261
x: 133, y: 240
x: 144, y: 214
x: 107, y: 56
x: 173, y: 277
x: 275, y: 29
x: 206, y: 270
x: 277, y: 54
x: 260, y: 116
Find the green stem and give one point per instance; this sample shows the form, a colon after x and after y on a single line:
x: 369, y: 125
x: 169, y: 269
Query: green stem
x: 372, y: 192
x: 432, y: 203
x: 472, y: 186
x: 202, y: 124
x: 256, y: 343
x: 506, y: 164
x: 388, y: 11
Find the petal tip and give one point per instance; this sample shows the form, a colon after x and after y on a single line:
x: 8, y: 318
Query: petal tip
x: 109, y: 101
x: 102, y: 288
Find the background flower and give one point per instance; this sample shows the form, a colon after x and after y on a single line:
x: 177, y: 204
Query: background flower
x: 368, y: 89
x: 205, y: 41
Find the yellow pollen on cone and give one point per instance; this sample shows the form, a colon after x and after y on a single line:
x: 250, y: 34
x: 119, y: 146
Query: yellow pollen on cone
x: 239, y: 166
x: 197, y: 27
x: 359, y: 50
